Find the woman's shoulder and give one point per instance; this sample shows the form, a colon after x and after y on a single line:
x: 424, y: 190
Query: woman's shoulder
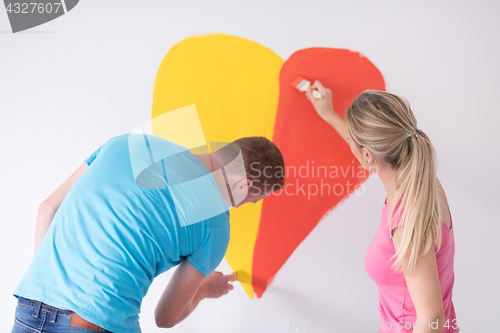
x: 443, y: 203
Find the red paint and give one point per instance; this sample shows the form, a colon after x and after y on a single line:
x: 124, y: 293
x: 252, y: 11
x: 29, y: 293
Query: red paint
x: 296, y: 81
x: 302, y: 135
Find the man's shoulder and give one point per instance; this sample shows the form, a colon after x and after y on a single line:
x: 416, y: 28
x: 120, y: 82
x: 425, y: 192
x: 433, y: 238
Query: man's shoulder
x: 219, y: 221
x: 116, y: 140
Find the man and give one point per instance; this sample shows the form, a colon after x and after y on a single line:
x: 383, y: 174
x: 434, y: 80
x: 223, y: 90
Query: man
x: 137, y: 207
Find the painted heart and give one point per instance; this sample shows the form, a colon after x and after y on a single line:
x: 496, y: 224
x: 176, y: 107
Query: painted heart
x: 241, y: 88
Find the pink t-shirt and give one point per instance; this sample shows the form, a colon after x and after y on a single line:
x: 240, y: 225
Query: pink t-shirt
x: 397, y: 313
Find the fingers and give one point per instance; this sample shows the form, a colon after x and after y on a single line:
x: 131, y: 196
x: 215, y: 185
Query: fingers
x: 225, y: 286
x: 226, y: 282
x: 318, y: 86
x: 309, y: 94
x: 226, y: 279
x: 218, y: 284
x: 221, y: 277
x: 221, y: 284
x: 231, y: 277
x: 222, y: 294
x: 313, y: 95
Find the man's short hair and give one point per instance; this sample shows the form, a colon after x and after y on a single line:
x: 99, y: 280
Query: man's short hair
x: 263, y: 163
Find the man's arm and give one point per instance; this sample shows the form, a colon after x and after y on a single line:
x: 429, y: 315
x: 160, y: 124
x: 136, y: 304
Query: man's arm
x: 48, y: 208
x: 425, y: 290
x: 185, y: 290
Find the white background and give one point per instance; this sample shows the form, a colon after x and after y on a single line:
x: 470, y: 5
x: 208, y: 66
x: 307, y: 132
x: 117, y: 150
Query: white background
x: 69, y: 85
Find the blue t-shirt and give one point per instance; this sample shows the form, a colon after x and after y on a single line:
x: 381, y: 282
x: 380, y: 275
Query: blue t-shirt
x: 110, y: 238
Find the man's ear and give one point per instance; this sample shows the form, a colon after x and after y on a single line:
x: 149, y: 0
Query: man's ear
x: 243, y: 183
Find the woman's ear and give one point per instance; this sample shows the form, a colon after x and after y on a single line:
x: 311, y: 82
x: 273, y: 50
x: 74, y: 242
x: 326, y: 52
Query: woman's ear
x: 367, y: 155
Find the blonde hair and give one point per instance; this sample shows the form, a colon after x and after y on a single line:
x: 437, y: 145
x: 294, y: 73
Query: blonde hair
x: 381, y: 121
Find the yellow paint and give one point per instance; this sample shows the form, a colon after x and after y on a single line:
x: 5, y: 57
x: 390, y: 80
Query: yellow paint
x: 234, y: 84
x: 181, y: 126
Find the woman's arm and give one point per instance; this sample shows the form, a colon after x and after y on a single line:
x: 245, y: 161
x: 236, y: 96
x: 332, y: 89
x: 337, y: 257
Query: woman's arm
x: 425, y: 290
x: 48, y: 208
x: 324, y: 108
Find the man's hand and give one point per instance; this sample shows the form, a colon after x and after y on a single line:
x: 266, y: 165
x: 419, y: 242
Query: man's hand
x: 217, y: 285
x: 186, y: 289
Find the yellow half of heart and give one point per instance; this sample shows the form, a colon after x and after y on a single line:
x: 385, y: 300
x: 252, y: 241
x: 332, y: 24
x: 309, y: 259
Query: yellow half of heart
x: 233, y: 82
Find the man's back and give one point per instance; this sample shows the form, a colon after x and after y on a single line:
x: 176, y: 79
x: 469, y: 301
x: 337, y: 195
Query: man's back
x: 111, y: 237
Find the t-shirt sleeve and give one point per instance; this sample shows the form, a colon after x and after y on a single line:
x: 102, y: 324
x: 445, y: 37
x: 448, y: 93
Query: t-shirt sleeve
x: 211, y: 252
x: 93, y: 156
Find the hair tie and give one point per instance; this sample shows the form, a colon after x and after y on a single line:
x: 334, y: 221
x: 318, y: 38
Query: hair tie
x: 415, y: 133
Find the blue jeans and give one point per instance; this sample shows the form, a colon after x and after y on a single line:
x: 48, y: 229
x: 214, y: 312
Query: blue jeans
x: 33, y: 317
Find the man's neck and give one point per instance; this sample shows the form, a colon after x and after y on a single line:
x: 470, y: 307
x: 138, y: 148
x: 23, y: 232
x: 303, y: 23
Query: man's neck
x: 210, y: 161
x: 206, y: 160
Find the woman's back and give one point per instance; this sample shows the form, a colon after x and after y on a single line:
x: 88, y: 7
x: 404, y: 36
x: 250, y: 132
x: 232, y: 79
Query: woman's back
x: 396, y: 307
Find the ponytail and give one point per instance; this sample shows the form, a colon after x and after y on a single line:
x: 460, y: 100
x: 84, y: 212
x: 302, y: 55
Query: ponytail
x: 416, y: 184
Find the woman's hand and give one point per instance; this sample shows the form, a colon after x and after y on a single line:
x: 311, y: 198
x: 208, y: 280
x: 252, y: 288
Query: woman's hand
x: 323, y: 106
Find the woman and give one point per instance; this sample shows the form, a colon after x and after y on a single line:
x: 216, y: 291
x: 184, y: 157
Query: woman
x: 411, y: 257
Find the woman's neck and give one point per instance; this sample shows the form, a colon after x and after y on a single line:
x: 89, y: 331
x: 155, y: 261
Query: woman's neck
x: 388, y: 177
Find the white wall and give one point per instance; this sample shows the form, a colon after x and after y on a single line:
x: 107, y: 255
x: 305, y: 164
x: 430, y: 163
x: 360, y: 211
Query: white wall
x: 69, y: 85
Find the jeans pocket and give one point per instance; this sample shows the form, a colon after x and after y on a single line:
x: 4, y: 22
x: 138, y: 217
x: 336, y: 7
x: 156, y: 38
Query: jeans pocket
x: 24, y: 320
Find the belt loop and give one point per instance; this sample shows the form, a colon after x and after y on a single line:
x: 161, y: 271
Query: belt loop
x: 53, y: 316
x: 37, y: 309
